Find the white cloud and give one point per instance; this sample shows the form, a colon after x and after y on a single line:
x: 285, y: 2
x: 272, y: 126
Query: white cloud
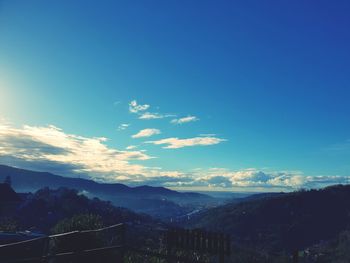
x: 146, y: 133
x: 131, y: 147
x: 48, y: 148
x: 134, y: 107
x: 123, y: 126
x: 141, y: 111
x: 175, y: 143
x: 150, y: 116
x: 154, y: 115
x: 255, y: 180
x: 184, y: 120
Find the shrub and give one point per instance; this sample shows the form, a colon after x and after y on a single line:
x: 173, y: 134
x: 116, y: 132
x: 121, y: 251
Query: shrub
x: 78, y: 223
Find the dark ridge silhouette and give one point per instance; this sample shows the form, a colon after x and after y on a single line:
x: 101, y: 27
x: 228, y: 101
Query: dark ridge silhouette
x: 28, y: 181
x: 284, y: 221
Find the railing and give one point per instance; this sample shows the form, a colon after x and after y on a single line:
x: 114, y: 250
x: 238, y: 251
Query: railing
x: 101, y: 245
x: 199, y: 240
x: 110, y: 245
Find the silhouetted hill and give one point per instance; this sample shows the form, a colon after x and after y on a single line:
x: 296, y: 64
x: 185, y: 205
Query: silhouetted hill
x: 260, y: 196
x: 284, y: 221
x: 141, y: 199
x: 29, y: 181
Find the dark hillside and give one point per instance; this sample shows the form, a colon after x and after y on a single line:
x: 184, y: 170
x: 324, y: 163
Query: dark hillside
x: 43, y: 209
x: 284, y: 222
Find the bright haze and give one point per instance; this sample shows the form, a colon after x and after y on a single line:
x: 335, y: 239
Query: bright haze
x: 190, y: 95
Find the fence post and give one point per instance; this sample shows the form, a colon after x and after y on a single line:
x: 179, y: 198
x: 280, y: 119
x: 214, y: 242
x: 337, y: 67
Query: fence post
x: 295, y: 257
x: 123, y: 242
x: 45, y: 251
x: 221, y: 248
x: 192, y: 239
x: 78, y: 246
x: 228, y: 245
x: 169, y: 243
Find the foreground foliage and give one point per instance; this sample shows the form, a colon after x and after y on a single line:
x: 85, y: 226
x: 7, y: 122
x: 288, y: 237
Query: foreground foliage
x: 78, y: 223
x: 42, y: 210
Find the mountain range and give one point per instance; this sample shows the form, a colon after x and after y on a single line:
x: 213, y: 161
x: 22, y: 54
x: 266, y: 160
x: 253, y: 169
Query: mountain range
x: 156, y: 201
x: 265, y: 227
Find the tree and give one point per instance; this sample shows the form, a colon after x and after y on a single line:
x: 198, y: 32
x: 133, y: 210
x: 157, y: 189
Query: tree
x: 8, y: 224
x: 78, y: 222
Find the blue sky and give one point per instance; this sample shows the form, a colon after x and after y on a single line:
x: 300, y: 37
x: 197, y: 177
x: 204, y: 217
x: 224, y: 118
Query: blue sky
x: 265, y: 86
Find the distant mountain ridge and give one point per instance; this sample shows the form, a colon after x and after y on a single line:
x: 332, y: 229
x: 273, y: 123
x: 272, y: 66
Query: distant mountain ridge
x: 168, y: 201
x: 26, y: 181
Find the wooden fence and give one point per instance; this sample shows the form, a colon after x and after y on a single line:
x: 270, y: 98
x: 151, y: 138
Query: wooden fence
x: 199, y: 240
x: 78, y: 246
x: 109, y: 245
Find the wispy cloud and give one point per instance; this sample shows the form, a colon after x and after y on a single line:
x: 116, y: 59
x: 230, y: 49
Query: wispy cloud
x: 123, y: 126
x: 152, y: 116
x: 141, y: 111
x: 131, y: 147
x: 184, y: 120
x: 146, y: 133
x: 175, y: 143
x: 134, y: 107
x: 207, y: 134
